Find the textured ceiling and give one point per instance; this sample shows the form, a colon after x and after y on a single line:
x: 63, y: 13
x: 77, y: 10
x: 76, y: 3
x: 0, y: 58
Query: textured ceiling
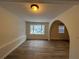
x: 46, y: 14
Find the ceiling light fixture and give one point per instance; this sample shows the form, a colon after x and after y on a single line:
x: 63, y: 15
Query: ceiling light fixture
x: 34, y: 7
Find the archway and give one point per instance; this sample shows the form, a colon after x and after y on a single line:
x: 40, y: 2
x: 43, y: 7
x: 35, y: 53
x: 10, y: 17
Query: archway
x: 59, y: 32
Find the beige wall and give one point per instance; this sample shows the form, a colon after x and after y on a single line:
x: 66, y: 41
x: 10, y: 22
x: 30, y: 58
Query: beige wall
x: 32, y: 36
x: 71, y: 19
x: 54, y: 32
x: 11, y: 29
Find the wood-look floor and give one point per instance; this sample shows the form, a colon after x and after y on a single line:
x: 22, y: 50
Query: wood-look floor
x: 41, y: 49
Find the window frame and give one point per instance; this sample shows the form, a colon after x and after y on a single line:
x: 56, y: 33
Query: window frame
x: 42, y: 29
x: 61, y: 29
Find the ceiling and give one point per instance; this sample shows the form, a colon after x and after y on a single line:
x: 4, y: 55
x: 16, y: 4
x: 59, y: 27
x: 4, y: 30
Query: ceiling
x: 41, y: 1
x: 48, y: 11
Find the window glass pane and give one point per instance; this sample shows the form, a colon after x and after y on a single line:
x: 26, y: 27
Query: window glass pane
x: 61, y: 29
x: 37, y: 29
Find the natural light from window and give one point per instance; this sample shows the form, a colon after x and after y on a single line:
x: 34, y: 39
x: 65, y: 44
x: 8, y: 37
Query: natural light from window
x: 61, y: 29
x: 37, y: 29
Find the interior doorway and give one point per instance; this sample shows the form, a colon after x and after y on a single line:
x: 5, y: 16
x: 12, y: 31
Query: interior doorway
x: 58, y: 31
x: 59, y: 34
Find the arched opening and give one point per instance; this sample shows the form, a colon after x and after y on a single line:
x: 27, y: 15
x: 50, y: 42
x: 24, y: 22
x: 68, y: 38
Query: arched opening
x: 58, y: 31
x: 59, y: 34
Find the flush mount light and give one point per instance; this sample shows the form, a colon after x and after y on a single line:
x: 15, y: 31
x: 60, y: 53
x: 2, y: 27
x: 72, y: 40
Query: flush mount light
x: 34, y: 7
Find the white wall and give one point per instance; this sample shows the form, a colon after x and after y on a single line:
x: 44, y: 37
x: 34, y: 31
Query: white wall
x: 71, y: 19
x: 12, y: 31
x: 32, y: 36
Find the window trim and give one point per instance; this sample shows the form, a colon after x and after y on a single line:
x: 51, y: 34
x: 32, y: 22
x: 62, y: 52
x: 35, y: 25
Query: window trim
x: 61, y: 27
x: 42, y: 29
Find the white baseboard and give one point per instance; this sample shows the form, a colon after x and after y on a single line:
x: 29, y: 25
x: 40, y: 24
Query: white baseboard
x: 11, y: 46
